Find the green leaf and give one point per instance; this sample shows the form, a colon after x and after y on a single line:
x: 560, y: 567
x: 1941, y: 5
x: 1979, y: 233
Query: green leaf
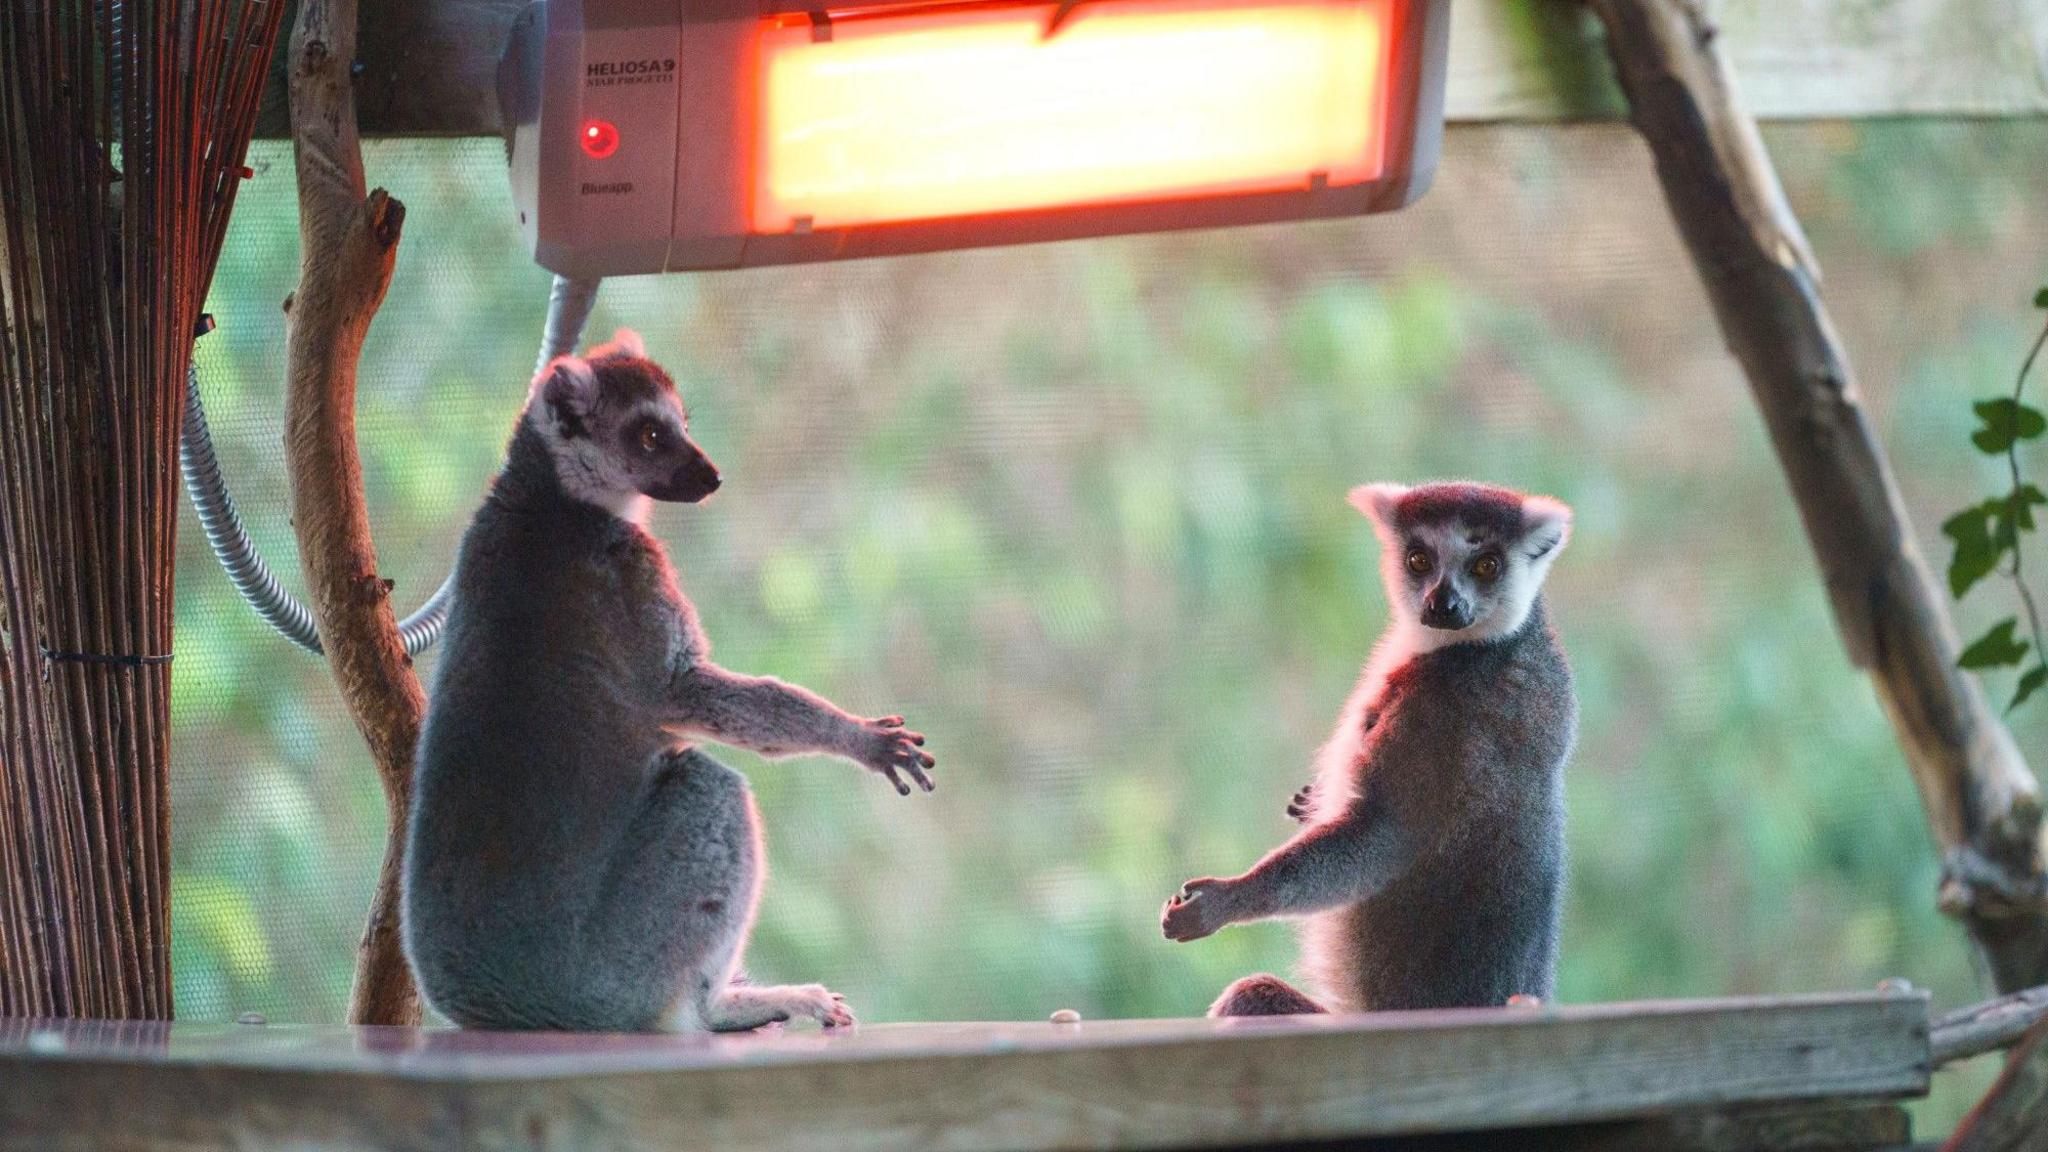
x: 2029, y: 684
x: 2041, y: 298
x: 2018, y: 512
x: 2006, y: 422
x: 1976, y: 555
x: 1996, y: 648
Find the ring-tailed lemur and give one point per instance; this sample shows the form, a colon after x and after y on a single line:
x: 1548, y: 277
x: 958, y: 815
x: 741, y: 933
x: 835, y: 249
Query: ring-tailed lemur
x: 572, y: 862
x: 1431, y: 862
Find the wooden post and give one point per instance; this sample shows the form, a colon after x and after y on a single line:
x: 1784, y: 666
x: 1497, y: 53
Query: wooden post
x: 348, y: 245
x: 121, y: 137
x: 1983, y: 803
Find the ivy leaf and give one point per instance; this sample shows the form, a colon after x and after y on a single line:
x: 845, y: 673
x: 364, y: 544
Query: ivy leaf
x: 2032, y: 682
x: 2006, y: 422
x: 1977, y: 552
x: 2041, y: 298
x: 1996, y: 648
x: 2017, y: 515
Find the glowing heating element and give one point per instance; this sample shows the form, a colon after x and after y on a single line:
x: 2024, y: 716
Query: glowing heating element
x: 968, y: 111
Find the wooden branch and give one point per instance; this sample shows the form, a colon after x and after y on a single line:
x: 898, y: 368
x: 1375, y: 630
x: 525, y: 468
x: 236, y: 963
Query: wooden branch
x: 1986, y: 1027
x: 348, y: 245
x: 2013, y: 1116
x: 1752, y: 257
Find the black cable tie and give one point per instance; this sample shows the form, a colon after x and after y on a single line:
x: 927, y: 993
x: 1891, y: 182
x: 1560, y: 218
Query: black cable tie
x: 119, y: 661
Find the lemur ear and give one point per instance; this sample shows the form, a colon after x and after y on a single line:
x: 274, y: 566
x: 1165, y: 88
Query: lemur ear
x: 1377, y: 502
x: 625, y: 342
x: 1547, y: 526
x: 567, y: 390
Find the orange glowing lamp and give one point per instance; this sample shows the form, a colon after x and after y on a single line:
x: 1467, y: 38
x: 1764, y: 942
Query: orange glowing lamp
x: 770, y: 133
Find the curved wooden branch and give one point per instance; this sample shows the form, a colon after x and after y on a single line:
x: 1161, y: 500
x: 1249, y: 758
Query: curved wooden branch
x: 2013, y: 1116
x: 348, y: 244
x: 1986, y: 1027
x: 1983, y: 803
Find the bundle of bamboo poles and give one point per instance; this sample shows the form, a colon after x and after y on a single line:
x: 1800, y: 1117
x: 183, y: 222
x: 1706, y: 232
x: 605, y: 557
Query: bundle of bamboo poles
x: 123, y: 127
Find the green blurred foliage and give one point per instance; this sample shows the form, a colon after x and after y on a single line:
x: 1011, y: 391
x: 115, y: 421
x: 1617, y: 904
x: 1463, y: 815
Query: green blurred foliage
x: 1078, y: 511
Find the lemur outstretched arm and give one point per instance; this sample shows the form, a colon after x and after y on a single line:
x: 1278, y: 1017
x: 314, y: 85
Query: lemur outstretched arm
x: 1324, y: 866
x: 765, y: 715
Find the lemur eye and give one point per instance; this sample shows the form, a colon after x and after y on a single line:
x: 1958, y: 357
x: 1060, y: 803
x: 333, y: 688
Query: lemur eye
x: 1420, y: 561
x: 1487, y: 567
x: 650, y: 437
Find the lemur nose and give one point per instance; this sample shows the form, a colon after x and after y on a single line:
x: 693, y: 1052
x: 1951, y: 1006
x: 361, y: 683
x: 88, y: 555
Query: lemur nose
x: 700, y: 474
x: 1442, y: 607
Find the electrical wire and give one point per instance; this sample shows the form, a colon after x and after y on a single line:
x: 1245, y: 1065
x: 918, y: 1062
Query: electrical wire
x: 569, y: 304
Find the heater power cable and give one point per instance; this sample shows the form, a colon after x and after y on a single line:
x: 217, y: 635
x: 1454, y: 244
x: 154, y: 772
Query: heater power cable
x: 569, y: 304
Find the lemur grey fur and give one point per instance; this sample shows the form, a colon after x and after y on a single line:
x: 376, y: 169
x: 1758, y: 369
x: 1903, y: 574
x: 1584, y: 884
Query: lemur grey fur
x: 572, y: 861
x: 1430, y: 865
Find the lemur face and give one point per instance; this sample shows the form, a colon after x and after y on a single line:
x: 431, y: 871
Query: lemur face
x: 1464, y: 558
x: 617, y: 429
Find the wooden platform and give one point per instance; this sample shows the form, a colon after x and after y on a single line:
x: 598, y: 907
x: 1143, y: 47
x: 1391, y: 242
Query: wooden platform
x: 1014, y: 1087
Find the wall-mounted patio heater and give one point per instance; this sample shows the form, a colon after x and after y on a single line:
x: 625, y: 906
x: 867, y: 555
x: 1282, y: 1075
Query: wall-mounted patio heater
x: 674, y: 135
x: 669, y: 135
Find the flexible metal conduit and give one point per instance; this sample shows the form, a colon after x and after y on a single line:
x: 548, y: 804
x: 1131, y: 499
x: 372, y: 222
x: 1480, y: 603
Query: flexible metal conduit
x: 569, y: 305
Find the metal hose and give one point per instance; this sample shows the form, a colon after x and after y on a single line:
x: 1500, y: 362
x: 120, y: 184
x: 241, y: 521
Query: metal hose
x: 569, y: 305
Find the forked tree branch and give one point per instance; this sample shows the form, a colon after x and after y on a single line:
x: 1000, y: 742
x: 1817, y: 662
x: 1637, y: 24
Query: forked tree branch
x: 348, y: 245
x: 1983, y: 803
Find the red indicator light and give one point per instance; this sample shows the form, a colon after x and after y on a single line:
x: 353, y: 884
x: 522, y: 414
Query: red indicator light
x: 600, y: 138
x: 920, y: 115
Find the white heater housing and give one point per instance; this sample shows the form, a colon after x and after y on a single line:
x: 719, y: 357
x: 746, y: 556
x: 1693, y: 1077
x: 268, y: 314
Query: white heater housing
x: 669, y: 135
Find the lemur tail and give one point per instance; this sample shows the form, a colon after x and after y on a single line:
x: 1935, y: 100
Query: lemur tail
x: 1264, y: 995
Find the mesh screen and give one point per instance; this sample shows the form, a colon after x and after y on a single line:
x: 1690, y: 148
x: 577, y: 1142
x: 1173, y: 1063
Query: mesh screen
x: 1078, y: 511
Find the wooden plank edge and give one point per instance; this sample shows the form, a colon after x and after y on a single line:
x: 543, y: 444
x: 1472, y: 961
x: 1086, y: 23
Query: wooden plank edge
x: 1267, y: 1086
